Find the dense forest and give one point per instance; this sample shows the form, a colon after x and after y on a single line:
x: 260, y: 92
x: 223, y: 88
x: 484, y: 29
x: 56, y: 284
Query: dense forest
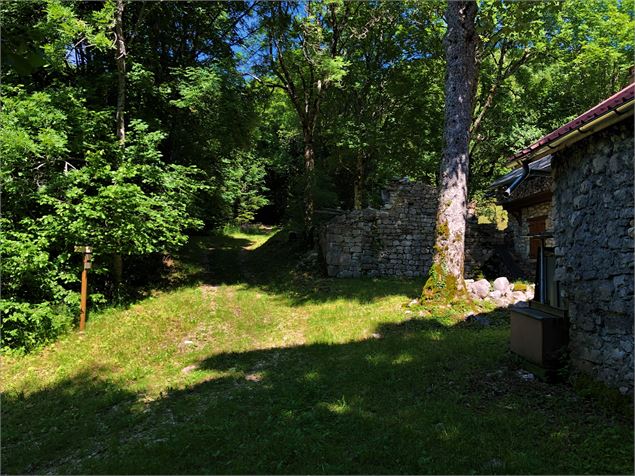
x: 130, y: 126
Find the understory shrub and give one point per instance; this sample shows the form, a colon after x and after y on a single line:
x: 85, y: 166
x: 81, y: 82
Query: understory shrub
x: 26, y: 326
x: 68, y: 183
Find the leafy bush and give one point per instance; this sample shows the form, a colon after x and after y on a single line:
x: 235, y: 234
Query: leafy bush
x: 27, y: 326
x: 35, y: 305
x: 67, y: 182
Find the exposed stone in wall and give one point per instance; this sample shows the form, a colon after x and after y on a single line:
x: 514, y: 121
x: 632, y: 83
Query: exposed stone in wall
x: 593, y: 222
x: 519, y: 232
x: 521, y: 209
x: 530, y: 187
x: 398, y: 239
x: 395, y: 240
x: 480, y: 244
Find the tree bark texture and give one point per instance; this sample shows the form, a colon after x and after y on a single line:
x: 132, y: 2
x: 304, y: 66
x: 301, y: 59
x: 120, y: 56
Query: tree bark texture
x: 358, y: 185
x: 309, y: 187
x: 460, y: 47
x: 120, y: 57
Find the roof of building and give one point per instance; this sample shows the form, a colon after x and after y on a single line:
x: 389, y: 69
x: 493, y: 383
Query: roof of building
x: 609, y: 111
x: 540, y: 165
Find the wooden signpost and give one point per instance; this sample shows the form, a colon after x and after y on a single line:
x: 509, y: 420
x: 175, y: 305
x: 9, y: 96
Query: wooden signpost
x: 88, y: 254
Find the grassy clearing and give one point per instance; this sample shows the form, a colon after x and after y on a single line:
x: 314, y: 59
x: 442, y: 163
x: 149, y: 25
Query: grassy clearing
x: 256, y: 367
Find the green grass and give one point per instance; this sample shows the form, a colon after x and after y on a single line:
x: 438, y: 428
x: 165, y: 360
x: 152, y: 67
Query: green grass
x: 287, y: 372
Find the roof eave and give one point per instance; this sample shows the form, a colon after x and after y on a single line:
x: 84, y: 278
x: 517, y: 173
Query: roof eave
x: 582, y: 131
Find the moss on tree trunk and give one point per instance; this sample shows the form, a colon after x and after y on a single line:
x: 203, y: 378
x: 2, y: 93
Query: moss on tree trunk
x: 446, y: 273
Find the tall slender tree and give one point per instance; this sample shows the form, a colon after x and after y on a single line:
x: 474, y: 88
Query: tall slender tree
x: 446, y: 274
x: 303, y: 51
x: 120, y: 58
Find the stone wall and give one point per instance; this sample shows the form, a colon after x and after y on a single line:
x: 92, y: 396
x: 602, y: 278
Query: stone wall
x: 531, y: 199
x: 398, y: 239
x: 481, y: 242
x: 519, y: 231
x: 593, y: 228
x: 395, y: 240
x: 530, y: 187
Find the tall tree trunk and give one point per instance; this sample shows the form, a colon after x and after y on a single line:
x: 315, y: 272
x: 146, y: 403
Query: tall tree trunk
x: 120, y: 58
x: 446, y: 274
x: 358, y: 184
x: 309, y: 188
x: 117, y: 271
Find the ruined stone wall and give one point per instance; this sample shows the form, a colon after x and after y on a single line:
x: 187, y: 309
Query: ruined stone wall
x: 398, y: 239
x: 480, y: 244
x: 593, y: 227
x: 395, y: 240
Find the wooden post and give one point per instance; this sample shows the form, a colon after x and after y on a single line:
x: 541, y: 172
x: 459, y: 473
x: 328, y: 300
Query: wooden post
x: 83, y: 304
x: 84, y: 295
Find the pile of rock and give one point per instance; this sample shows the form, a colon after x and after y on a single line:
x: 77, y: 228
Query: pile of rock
x: 501, y: 291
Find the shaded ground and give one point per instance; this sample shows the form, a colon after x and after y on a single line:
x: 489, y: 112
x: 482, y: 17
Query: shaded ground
x: 252, y: 366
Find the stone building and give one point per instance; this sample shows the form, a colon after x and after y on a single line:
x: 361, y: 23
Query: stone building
x: 593, y: 218
x: 529, y: 211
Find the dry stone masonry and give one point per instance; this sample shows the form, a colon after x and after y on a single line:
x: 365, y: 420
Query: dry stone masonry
x: 593, y: 230
x: 398, y: 239
x: 520, y: 229
x: 395, y: 240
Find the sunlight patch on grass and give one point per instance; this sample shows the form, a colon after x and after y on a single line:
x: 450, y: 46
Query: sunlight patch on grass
x: 447, y: 432
x: 312, y: 376
x: 377, y: 359
x: 403, y: 358
x: 340, y: 407
x: 281, y: 372
x: 435, y: 335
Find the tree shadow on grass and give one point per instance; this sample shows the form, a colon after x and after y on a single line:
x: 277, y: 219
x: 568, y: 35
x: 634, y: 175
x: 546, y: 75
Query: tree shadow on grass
x: 55, y: 426
x: 273, y: 268
x: 421, y: 398
x: 208, y: 259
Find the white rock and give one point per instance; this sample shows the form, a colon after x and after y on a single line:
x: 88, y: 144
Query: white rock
x: 495, y: 294
x: 479, y: 288
x: 526, y: 376
x: 502, y: 302
x: 519, y: 296
x: 502, y: 284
